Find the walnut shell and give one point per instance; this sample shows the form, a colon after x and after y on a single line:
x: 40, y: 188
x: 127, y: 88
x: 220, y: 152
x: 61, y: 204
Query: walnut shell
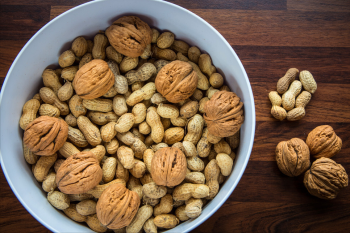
x: 323, y: 142
x: 293, y: 157
x: 45, y: 135
x: 93, y: 80
x: 79, y: 173
x: 168, y: 167
x: 325, y: 178
x: 223, y: 114
x: 117, y: 206
x: 176, y: 81
x: 129, y: 35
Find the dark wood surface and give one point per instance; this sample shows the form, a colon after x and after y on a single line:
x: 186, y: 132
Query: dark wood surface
x: 269, y: 37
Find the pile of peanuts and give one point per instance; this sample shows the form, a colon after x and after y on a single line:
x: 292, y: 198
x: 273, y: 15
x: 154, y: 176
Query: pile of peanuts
x: 124, y: 129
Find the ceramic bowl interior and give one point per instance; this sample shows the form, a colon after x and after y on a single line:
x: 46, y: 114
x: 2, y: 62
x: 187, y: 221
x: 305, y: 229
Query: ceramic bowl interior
x: 42, y: 50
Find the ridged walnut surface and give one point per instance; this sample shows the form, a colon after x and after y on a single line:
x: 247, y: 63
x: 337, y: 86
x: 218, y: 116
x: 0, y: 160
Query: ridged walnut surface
x: 325, y: 178
x: 93, y: 79
x: 323, y: 142
x: 45, y: 135
x: 224, y: 114
x: 293, y: 157
x: 117, y: 206
x: 168, y: 167
x: 129, y: 35
x: 176, y: 81
x: 79, y: 173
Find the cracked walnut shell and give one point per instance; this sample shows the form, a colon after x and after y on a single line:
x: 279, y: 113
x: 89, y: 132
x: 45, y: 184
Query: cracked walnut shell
x: 93, y: 80
x: 323, y: 142
x: 223, y: 114
x: 79, y: 173
x: 176, y: 81
x: 168, y: 167
x: 45, y: 135
x: 293, y: 157
x: 129, y: 35
x: 325, y: 178
x: 117, y: 206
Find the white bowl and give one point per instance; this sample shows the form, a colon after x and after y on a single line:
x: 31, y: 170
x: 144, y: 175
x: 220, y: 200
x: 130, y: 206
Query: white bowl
x: 24, y: 80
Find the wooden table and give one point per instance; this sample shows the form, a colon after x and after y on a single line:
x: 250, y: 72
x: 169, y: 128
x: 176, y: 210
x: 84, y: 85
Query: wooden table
x: 269, y: 36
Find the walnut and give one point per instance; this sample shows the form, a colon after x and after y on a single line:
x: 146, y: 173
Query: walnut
x: 93, y: 79
x: 117, y: 206
x: 323, y: 142
x: 129, y: 35
x: 79, y: 173
x: 325, y: 178
x: 176, y: 81
x: 223, y: 114
x: 168, y: 167
x: 45, y: 135
x: 293, y: 157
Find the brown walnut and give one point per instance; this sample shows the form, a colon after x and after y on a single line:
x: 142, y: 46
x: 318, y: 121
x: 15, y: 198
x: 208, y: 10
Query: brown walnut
x: 79, y: 173
x: 45, y: 135
x: 293, y: 157
x: 325, y: 178
x: 117, y: 206
x: 129, y: 35
x: 223, y: 114
x: 168, y: 167
x: 323, y: 142
x: 176, y: 81
x: 93, y: 80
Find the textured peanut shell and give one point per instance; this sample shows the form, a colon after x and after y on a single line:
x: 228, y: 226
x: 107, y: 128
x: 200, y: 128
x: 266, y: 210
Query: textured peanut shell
x: 49, y: 110
x: 143, y: 214
x: 72, y: 213
x: 98, y: 104
x: 212, y: 172
x: 97, y: 191
x: 68, y: 73
x: 58, y: 200
x: 76, y: 106
x: 86, y: 207
x: 49, y: 97
x: 284, y: 82
x: 325, y: 178
x: 79, y: 173
x: 93, y: 222
x: 168, y: 166
x: 323, y: 142
x: 42, y: 167
x: 102, y: 118
x: 176, y: 81
x: 29, y: 156
x: 51, y: 80
x: 193, y: 207
x: 180, y: 213
x: 173, y: 135
x: 129, y: 35
x: 117, y: 206
x: 194, y: 129
x: 165, y: 206
x: 149, y: 226
x: 224, y: 114
x: 187, y: 190
x: 167, y: 221
x: 93, y: 80
x: 45, y: 135
x: 308, y: 81
x: 30, y: 109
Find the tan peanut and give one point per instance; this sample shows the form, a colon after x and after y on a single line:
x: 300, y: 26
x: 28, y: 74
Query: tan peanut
x: 126, y: 157
x: 180, y: 46
x: 145, y: 93
x: 181, y: 214
x: 154, y: 191
x: 150, y: 201
x: 203, y: 82
x: 29, y: 156
x: 211, y: 91
x: 58, y: 200
x: 193, y: 54
x: 147, y: 178
x: 49, y: 97
x: 202, y: 103
x: 195, y: 163
x: 49, y: 110
x: 49, y: 183
x: 189, y: 149
x: 37, y: 97
x: 30, y: 109
x: 79, y: 46
x: 133, y: 182
x: 197, y: 95
x: 189, y: 109
x: 308, y: 81
x: 173, y: 135
x: 119, y: 105
x: 157, y: 99
x: 111, y: 92
x: 143, y: 73
x: 76, y: 106
x: 77, y: 137
x: 165, y: 206
x: 222, y: 147
x: 234, y: 140
x: 213, y: 139
x: 142, y: 215
x: 90, y: 131
x: 204, y: 146
x: 212, y: 172
x: 108, y: 132
x: 195, y: 178
x: 84, y: 60
x: 147, y: 159
x: 112, y: 54
x: 99, y: 151
x: 139, y: 169
x: 159, y: 146
x: 80, y: 197
x: 121, y: 172
x: 284, y: 82
x: 86, y: 207
x: 193, y: 207
x: 128, y: 63
x: 72, y: 213
x: 138, y: 190
x: 68, y: 149
x: 43, y: 166
x: 67, y: 58
x: 194, y: 129
x: 98, y: 190
x: 225, y: 163
x: 149, y: 226
x: 216, y: 80
x: 71, y: 120
x: 58, y: 164
x: 153, y: 120
x: 98, y: 104
x: 139, y: 111
x: 102, y: 118
x: 125, y: 123
x: 187, y: 190
x: 99, y: 48
x: 135, y: 143
x: 164, y: 54
x: 137, y: 134
x: 167, y: 221
x: 51, y: 80
x: 109, y: 169
x: 112, y: 146
x: 136, y: 85
x: 165, y: 40
x: 288, y: 98
x: 299, y: 111
x: 204, y: 63
x: 179, y: 121
x: 95, y: 224
x: 148, y: 141
x: 277, y: 111
x: 144, y: 128
x: 155, y: 35
x: 167, y: 111
x: 181, y: 57
x: 147, y: 52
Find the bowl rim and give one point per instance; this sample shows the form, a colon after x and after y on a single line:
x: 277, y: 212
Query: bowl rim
x: 252, y: 133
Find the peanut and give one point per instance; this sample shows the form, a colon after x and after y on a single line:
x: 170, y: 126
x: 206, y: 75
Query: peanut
x: 84, y: 60
x: 71, y: 120
x: 142, y: 215
x: 165, y: 40
x: 138, y: 169
x: 109, y: 169
x: 136, y: 85
x: 99, y: 48
x: 111, y: 92
x: 202, y: 103
x: 181, y: 57
x: 284, y: 82
x: 189, y: 109
x: 195, y: 178
x: 195, y: 163
x: 98, y: 190
x: 77, y: 137
x: 167, y: 111
x: 80, y: 197
x: 288, y: 98
x: 216, y: 80
x: 222, y: 147
x: 30, y: 110
x: 148, y: 141
x: 112, y: 146
x: 165, y: 206
x: 179, y: 121
x: 194, y: 129
x: 157, y: 99
x: 102, y: 118
x: 72, y: 213
x: 149, y: 226
x: 211, y: 91
x: 212, y: 172
x: 308, y: 81
x: 299, y: 111
x: 153, y: 120
x: 213, y: 139
x: 180, y: 46
x: 58, y: 164
x: 112, y: 54
x: 147, y: 52
x: 108, y: 132
x: 67, y: 58
x: 98, y: 104
x: 155, y: 35
x: 51, y: 80
x: 167, y: 221
x: 76, y: 106
x: 147, y: 178
x: 49, y: 110
x: 189, y: 149
x: 49, y: 97
x: 164, y: 54
x: 137, y: 134
x: 95, y: 224
x: 29, y: 156
x: 119, y: 105
x: 90, y: 131
x: 125, y: 123
x: 225, y: 163
x: 139, y: 111
x: 193, y: 207
x: 43, y: 166
x: 233, y: 141
x: 143, y: 73
x: 99, y: 151
x: 197, y: 95
x: 49, y: 183
x: 181, y: 214
x: 193, y: 54
x: 144, y: 128
x: 128, y: 63
x: 173, y: 135
x: 68, y: 149
x: 58, y: 200
x: 147, y: 159
x: 154, y: 191
x: 204, y: 63
x: 203, y: 82
x: 136, y: 144
x: 121, y: 172
x: 277, y: 111
x: 159, y: 146
x: 186, y: 191
x: 86, y: 207
x: 126, y: 157
x: 145, y: 93
x: 79, y: 46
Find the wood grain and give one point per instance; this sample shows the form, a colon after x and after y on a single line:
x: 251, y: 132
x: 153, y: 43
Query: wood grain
x: 269, y: 36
